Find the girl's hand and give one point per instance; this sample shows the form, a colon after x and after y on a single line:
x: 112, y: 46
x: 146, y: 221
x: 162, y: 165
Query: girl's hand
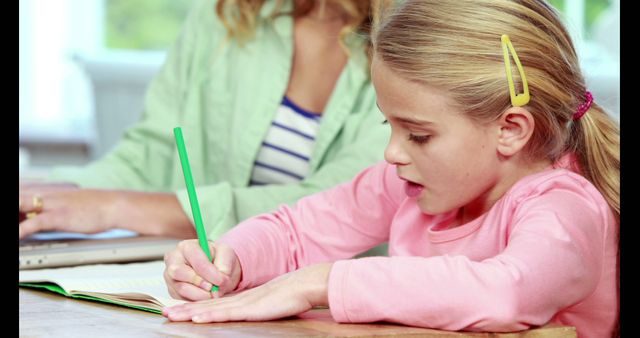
x: 190, y: 275
x: 65, y: 207
x: 287, y: 295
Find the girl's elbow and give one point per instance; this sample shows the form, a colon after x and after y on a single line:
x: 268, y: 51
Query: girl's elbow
x: 501, y: 322
x: 508, y: 316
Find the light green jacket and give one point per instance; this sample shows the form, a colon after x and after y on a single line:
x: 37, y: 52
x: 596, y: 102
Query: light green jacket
x: 225, y: 96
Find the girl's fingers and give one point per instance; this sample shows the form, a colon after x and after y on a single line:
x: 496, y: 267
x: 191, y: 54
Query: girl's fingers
x: 198, y: 260
x: 184, y: 273
x: 190, y: 292
x: 188, y: 264
x: 172, y: 291
x: 213, y: 316
x: 224, y: 259
x: 171, y: 287
x: 176, y: 313
x: 234, y: 308
x: 200, y: 310
x: 175, y: 288
x: 185, y: 312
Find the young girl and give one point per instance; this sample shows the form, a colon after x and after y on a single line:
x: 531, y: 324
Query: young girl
x: 499, y: 196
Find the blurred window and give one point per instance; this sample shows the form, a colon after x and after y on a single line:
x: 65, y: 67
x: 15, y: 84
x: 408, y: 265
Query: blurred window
x: 56, y: 101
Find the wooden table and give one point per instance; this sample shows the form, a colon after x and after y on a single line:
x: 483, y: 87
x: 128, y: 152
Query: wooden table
x: 45, y: 314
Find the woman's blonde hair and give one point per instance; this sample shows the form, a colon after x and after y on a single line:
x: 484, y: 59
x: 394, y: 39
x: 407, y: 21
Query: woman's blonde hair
x: 456, y: 45
x: 240, y: 16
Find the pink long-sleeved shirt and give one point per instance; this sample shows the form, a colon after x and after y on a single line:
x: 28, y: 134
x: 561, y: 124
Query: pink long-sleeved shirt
x: 545, y: 252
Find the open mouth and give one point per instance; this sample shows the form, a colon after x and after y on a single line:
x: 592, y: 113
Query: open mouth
x: 413, y: 189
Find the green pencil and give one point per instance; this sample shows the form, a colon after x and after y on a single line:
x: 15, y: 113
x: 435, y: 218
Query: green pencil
x: 193, y: 198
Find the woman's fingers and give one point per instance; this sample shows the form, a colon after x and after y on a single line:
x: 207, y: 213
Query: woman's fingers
x: 31, y: 202
x: 71, y: 210
x: 32, y: 196
x: 46, y: 221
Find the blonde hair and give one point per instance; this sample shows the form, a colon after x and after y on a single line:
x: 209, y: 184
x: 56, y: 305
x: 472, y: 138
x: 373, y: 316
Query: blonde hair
x: 456, y: 45
x: 240, y: 17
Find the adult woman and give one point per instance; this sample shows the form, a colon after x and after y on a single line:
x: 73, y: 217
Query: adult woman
x: 226, y: 81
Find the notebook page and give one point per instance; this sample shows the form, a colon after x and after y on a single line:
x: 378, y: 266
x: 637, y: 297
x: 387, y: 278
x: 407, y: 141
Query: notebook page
x: 138, y: 278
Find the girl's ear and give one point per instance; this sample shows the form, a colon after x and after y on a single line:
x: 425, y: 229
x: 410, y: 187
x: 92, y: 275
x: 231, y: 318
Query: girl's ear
x: 516, y: 127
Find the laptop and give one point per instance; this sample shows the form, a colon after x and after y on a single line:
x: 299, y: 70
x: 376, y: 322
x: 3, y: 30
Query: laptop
x: 58, y: 249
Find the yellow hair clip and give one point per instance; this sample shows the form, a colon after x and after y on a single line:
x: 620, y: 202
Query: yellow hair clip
x: 517, y: 100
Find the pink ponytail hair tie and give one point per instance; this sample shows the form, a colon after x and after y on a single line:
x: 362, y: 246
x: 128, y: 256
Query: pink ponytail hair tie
x: 582, y: 108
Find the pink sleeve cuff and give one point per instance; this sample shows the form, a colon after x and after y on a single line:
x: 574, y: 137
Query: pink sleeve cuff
x: 338, y: 279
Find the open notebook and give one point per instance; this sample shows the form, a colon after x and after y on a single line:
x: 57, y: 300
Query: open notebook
x: 136, y: 285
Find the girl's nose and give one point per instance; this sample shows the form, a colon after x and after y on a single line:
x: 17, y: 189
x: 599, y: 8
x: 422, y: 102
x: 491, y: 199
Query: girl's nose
x: 394, y: 153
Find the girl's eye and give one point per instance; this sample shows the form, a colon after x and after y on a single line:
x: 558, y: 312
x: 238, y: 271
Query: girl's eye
x: 419, y: 139
x: 385, y: 121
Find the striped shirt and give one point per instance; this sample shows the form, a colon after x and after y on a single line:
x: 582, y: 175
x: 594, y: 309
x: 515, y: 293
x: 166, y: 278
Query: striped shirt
x: 286, y: 150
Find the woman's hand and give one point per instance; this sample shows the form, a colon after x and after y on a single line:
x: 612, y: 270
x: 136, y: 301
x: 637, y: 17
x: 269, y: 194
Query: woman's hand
x: 65, y: 207
x: 190, y: 275
x: 287, y: 295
